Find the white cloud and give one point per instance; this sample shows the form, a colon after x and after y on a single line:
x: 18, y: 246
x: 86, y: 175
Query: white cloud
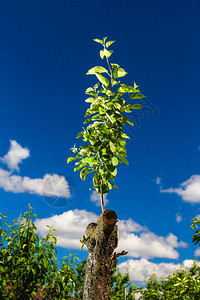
x: 158, y: 180
x: 138, y: 269
x: 96, y: 199
x: 127, y: 226
x: 143, y: 244
x: 70, y: 226
x: 188, y: 190
x: 50, y: 185
x: 15, y: 155
x: 149, y: 245
x: 178, y: 218
x: 173, y: 241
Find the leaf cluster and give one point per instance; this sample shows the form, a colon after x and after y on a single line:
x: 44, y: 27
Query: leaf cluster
x: 196, y: 236
x: 29, y: 270
x: 104, y: 137
x: 28, y: 264
x: 121, y: 284
x: 181, y: 285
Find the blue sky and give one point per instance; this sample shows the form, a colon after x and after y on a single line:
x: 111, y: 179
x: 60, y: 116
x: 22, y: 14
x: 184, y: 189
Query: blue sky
x: 46, y: 48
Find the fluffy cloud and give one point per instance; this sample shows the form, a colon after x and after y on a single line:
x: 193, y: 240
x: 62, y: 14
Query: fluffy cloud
x: 139, y: 269
x: 70, y: 226
x: 135, y: 239
x: 127, y: 226
x: 188, y: 190
x: 15, y: 155
x: 149, y: 245
x: 96, y: 199
x: 50, y: 185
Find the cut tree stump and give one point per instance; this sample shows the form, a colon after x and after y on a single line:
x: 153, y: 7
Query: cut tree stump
x: 102, y: 239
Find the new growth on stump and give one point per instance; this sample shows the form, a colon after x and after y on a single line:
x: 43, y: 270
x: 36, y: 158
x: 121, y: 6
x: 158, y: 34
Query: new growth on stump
x: 104, y: 148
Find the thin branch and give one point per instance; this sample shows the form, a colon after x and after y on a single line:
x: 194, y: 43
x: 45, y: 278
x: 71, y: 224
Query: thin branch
x: 102, y: 203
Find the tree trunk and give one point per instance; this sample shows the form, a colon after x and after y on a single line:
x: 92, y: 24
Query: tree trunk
x: 102, y: 239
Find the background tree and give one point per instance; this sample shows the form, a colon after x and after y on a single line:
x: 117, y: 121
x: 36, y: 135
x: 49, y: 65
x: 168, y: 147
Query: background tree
x: 29, y: 270
x: 121, y: 285
x: 28, y: 264
x: 196, y: 236
x: 104, y: 148
x: 182, y: 284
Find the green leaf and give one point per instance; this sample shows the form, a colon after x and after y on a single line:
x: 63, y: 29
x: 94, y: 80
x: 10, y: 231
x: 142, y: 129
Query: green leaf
x: 110, y: 168
x: 112, y: 147
x: 83, y: 173
x: 90, y: 91
x: 109, y: 185
x: 114, y: 173
x: 114, y: 82
x: 105, y: 53
x: 125, y: 136
x: 135, y: 85
x: 71, y: 159
x: 123, y: 159
x: 96, y: 86
x: 91, y: 99
x: 101, y: 54
x: 122, y: 142
x: 114, y: 186
x: 119, y: 73
x: 80, y: 167
x: 135, y: 106
x: 102, y: 111
x: 102, y: 79
x: 115, y: 66
x: 111, y: 118
x: 97, y: 69
x: 94, y: 118
x: 122, y: 90
x: 108, y: 44
x: 114, y: 161
x: 98, y: 41
x: 90, y: 160
x: 126, y: 120
x: 127, y: 89
x: 104, y: 39
x: 137, y: 96
x: 80, y: 134
x: 109, y: 93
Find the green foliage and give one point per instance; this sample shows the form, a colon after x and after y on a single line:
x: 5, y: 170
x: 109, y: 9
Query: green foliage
x: 84, y: 239
x: 25, y: 261
x: 196, y: 236
x: 104, y: 137
x: 119, y: 285
x: 182, y: 284
x: 28, y: 264
x: 29, y: 269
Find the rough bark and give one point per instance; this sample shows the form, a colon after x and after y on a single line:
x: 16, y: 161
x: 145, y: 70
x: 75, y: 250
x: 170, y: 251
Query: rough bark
x: 102, y: 239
